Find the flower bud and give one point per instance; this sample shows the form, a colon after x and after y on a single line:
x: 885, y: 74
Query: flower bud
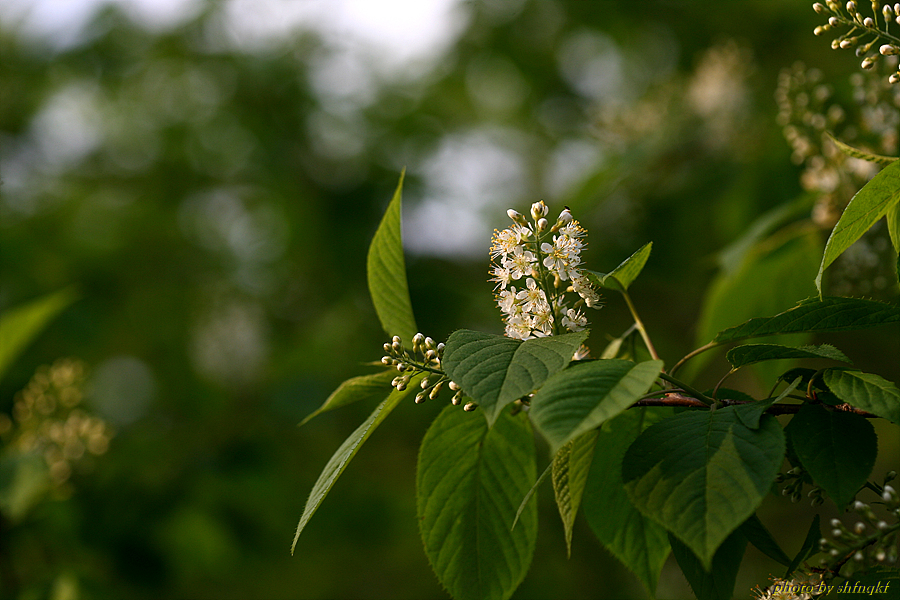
x: 430, y: 355
x: 417, y: 341
x: 440, y: 348
x: 858, y: 556
x: 429, y: 343
x: 897, y: 8
x: 848, y: 43
x: 401, y: 385
x: 833, y: 21
x: 859, y: 528
x: 869, y: 22
x: 470, y: 406
x: 514, y: 215
x: 835, y: 44
x: 851, y: 7
x: 890, y: 476
x: 858, y: 506
x: 887, y: 12
x: 401, y: 367
x: 457, y: 398
x: 538, y: 210
x: 889, y: 50
x: 897, y: 18
x: 435, y: 391
x: 396, y: 348
x: 881, y: 525
x: 835, y: 523
x: 543, y: 224
x: 880, y: 555
x: 868, y: 62
x: 453, y: 386
x: 894, y: 78
x: 388, y: 348
x: 819, y: 7
x: 386, y: 360
x: 424, y: 384
x: 836, y: 533
x: 420, y: 397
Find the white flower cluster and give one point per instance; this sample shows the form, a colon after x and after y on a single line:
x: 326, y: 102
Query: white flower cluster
x: 544, y: 257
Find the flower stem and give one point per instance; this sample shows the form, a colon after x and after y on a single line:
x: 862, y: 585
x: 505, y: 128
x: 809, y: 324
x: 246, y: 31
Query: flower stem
x: 640, y: 326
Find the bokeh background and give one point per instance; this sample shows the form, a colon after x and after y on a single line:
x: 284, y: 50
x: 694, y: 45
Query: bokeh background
x: 202, y: 180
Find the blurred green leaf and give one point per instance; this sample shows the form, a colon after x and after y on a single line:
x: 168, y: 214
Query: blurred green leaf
x: 469, y: 480
x: 585, y: 395
x: 19, y: 325
x: 849, y: 150
x: 716, y: 580
x: 386, y: 271
x: 871, y: 203
x: 809, y: 547
x: 757, y: 534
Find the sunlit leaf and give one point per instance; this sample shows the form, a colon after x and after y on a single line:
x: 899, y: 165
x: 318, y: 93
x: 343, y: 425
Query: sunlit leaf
x: 355, y: 389
x: 339, y: 461
x: 750, y: 414
x: 869, y: 204
x: 386, y: 272
x: 583, y: 396
x: 701, y: 474
x: 496, y: 370
x: 849, y: 150
x: 624, y: 275
x: 837, y: 449
x: 469, y: 482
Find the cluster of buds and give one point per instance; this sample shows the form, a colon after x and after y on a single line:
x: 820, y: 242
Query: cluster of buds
x: 803, y: 586
x: 869, y: 35
x: 871, y: 540
x: 793, y: 481
x: 424, y: 357
x: 548, y: 258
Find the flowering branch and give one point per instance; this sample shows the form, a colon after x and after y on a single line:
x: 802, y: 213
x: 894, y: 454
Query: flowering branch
x: 860, y: 29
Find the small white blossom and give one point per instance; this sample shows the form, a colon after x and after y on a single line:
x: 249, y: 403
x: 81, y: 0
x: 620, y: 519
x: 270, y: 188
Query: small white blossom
x: 519, y: 263
x: 532, y: 297
x: 574, y: 320
x: 502, y: 276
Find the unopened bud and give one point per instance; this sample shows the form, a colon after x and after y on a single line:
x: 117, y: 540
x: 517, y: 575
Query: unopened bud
x: 430, y: 355
x: 881, y: 525
x: 890, y: 476
x: 859, y: 528
x: 401, y: 367
x: 386, y: 360
x: 880, y: 555
x: 457, y: 398
x: 836, y: 533
x: 851, y: 7
x: 858, y: 506
x: 435, y: 391
x: 453, y: 386
x: 514, y: 215
x: 424, y: 384
x: 819, y: 7
x: 543, y: 224
x: 833, y: 21
x: 894, y: 78
x: 868, y: 62
x: 869, y: 22
x: 538, y: 210
x: 848, y: 43
x: 835, y: 523
x: 887, y: 12
x: 470, y: 406
x: 821, y: 29
x: 420, y: 397
x: 388, y: 348
x: 858, y: 556
x: 889, y: 50
x: 429, y: 343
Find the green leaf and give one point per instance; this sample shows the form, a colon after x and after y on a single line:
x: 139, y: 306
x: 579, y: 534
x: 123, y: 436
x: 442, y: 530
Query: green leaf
x: 715, y: 582
x: 878, y: 159
x: 530, y: 494
x: 748, y: 354
x: 757, y: 534
x: 809, y: 547
x: 639, y: 542
x: 816, y: 316
x: 469, y: 481
x: 869, y: 204
x: 20, y: 324
x: 355, y: 389
x: 345, y: 454
x: 866, y: 391
x: 624, y: 275
x: 386, y: 271
x: 570, y: 470
x: 701, y: 474
x: 837, y: 449
x: 750, y: 414
x: 893, y: 223
x: 496, y: 370
x: 585, y: 395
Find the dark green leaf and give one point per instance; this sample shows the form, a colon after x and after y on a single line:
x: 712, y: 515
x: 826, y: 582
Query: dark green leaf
x: 583, y: 396
x: 639, y: 542
x: 570, y: 470
x: 386, y: 271
x: 469, y: 481
x: 878, y: 159
x: 345, y: 454
x: 355, y: 389
x: 702, y: 474
x: 893, y: 223
x: 496, y: 370
x: 810, y: 544
x: 717, y: 581
x: 879, y: 582
x: 867, y: 391
x: 747, y: 354
x: 624, y: 275
x: 20, y: 324
x: 816, y: 316
x: 837, y: 449
x: 757, y: 534
x: 869, y: 204
x: 750, y: 414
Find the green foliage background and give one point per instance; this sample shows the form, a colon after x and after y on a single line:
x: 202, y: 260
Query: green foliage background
x: 214, y: 237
